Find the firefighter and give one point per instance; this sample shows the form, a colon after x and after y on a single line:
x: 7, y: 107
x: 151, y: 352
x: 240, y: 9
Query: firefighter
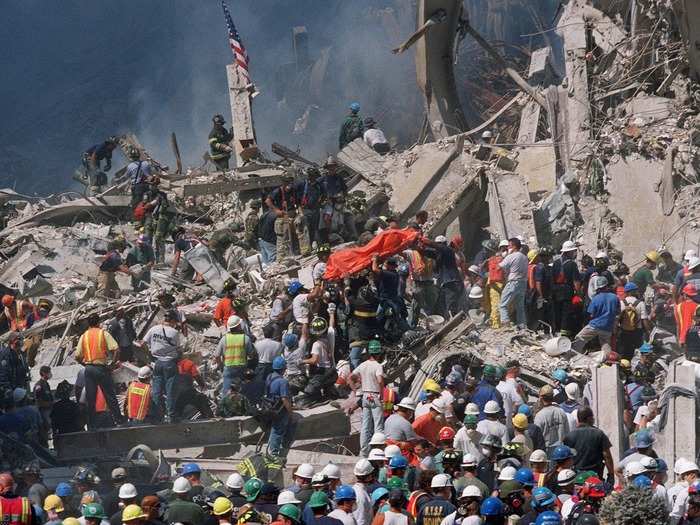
x: 96, y: 350
x: 219, y: 148
x: 14, y: 509
x: 19, y: 313
x: 137, y: 405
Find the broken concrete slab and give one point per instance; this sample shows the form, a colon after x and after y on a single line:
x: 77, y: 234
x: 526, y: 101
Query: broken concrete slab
x: 510, y: 209
x: 649, y: 107
x: 538, y: 166
x: 608, y: 405
x: 261, y: 179
x: 360, y: 159
x: 88, y: 208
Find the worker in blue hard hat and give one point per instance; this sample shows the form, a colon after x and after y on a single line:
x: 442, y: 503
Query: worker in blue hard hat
x: 283, y: 423
x: 353, y: 127
x: 193, y: 473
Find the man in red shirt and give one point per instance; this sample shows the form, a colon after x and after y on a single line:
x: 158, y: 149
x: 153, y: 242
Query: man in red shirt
x: 187, y: 397
x: 428, y: 425
x: 685, y: 310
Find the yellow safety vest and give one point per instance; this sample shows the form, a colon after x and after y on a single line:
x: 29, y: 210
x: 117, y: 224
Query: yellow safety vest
x: 138, y: 398
x: 234, y: 351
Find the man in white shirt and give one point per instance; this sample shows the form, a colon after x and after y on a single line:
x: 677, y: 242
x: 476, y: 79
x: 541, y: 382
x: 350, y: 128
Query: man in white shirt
x: 322, y: 371
x: 678, y: 494
x: 371, y: 374
x: 364, y: 474
x: 468, y: 438
x: 515, y: 266
x: 375, y: 138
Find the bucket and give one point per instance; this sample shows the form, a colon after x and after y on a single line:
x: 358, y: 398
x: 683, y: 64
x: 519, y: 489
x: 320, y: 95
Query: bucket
x: 434, y: 322
x: 557, y: 346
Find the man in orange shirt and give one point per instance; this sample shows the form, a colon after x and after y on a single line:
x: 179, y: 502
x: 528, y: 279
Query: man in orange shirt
x: 224, y: 309
x: 186, y: 394
x: 684, y: 311
x: 428, y: 425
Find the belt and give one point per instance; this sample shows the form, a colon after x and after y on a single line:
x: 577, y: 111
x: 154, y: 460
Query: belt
x: 359, y: 313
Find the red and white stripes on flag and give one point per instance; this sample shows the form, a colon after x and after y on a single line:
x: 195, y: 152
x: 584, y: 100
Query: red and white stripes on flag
x: 240, y: 55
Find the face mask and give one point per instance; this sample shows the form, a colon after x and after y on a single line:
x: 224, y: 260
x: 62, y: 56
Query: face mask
x: 471, y: 431
x: 486, y: 451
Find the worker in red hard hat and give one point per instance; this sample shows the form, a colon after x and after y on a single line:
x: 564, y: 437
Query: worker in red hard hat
x: 16, y: 510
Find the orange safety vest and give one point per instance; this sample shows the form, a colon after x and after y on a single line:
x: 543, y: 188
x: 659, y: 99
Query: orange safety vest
x: 531, y: 276
x: 138, y: 400
x: 16, y: 317
x: 540, y: 479
x: 15, y: 511
x: 412, y: 505
x: 388, y: 400
x: 495, y: 272
x: 94, y: 345
x: 684, y: 311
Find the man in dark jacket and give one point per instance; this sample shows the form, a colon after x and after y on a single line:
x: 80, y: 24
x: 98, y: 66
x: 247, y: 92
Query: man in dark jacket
x: 219, y: 148
x: 14, y: 371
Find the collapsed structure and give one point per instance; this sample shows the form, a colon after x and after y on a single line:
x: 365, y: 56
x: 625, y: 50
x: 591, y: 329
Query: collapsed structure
x: 607, y: 154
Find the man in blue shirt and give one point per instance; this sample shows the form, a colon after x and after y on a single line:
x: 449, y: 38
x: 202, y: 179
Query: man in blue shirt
x: 283, y: 424
x: 604, y: 310
x: 486, y: 390
x: 137, y: 173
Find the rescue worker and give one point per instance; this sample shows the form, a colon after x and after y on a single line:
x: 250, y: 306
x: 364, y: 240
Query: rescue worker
x: 111, y: 263
x: 223, y: 510
x: 122, y: 329
x: 352, y: 128
x: 495, y: 281
x: 323, y: 253
x: 14, y: 372
x: 224, y: 308
x: 684, y: 312
x: 15, y: 510
x: 138, y: 403
x: 233, y: 351
x: 92, y: 162
x: 322, y: 374
x: 250, y: 224
x: 133, y: 515
x: 142, y: 255
x: 160, y: 215
x: 182, y: 510
x: 375, y: 137
x: 18, y: 312
x: 137, y: 173
x: 371, y: 376
x: 309, y: 195
x: 96, y: 351
x: 566, y: 285
x: 219, y: 147
x: 283, y: 424
x: 439, y: 506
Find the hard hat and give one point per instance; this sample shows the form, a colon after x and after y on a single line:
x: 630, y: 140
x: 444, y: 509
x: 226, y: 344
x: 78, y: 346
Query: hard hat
x: 218, y: 119
x: 440, y: 481
x: 134, y: 153
x: 689, y: 255
x: 378, y: 438
x: 378, y: 494
x: 549, y: 518
x: 503, y: 243
x: 581, y: 477
x: 566, y: 477
x: 407, y: 403
x: 486, y: 134
x: 476, y: 292
x: 318, y: 499
x: 520, y: 421
x: 64, y: 490
x: 395, y: 482
x: 532, y: 255
x: 572, y: 391
x: 560, y: 375
x: 524, y: 409
x: 70, y: 521
x: 492, y: 407
x: 287, y: 496
x: 290, y: 511
x: 252, y: 488
x: 471, y: 491
x: 54, y: 503
x: 374, y: 347
x: 492, y: 507
x: 470, y: 420
x: 294, y: 287
x: 634, y: 468
x: 438, y: 405
x: 441, y: 239
x: 235, y: 481
x: 331, y: 471
x: 472, y: 409
x: 233, y: 322
x: 631, y: 287
x: 222, y: 506
x: 145, y: 372
x: 94, y: 511
x: 305, y: 470
x: 642, y: 482
x: 319, y: 479
x: 318, y: 326
x: 279, y: 363
x: 473, y: 269
x: 290, y: 340
x: 392, y: 450
x: 430, y: 385
x: 190, y: 468
x: 652, y: 256
x: 345, y: 492
x: 453, y: 378
x: 363, y: 468
x: 562, y: 452
x: 687, y: 466
x: 542, y: 497
x: 646, y: 348
x: 507, y: 473
x: 538, y: 456
x: 648, y: 463
x: 7, y: 300
x: 661, y: 465
x: 376, y: 454
x: 489, y: 440
x: 446, y: 434
x: 469, y: 460
x: 127, y: 491
x: 600, y: 282
x: 693, y: 263
x: 398, y: 462
x: 181, y: 486
x: 568, y: 246
x: 643, y: 439
x: 525, y: 477
x: 355, y: 107
x: 133, y: 512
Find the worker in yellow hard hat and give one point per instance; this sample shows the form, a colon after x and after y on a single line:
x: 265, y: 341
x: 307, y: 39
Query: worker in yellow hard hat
x: 644, y: 277
x: 133, y: 515
x: 55, y: 511
x: 431, y: 390
x: 222, y: 510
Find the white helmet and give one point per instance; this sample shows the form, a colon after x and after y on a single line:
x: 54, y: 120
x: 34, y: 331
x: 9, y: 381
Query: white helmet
x: 127, y: 491
x: 378, y: 438
x: 440, y: 481
x: 235, y: 481
x: 566, y: 477
x: 507, y: 474
x: 287, y: 496
x: 304, y: 471
x: 471, y: 491
x: 181, y: 486
x: 392, y: 450
x: 689, y: 255
x: 331, y: 471
x: 376, y: 454
x: 693, y: 262
x: 363, y: 468
x: 476, y: 293
x: 648, y: 463
x: 503, y: 243
x: 492, y: 407
x: 568, y: 246
x: 233, y: 322
x: 438, y: 405
x: 572, y: 391
x: 441, y: 239
x: 145, y: 372
x: 408, y: 403
x: 633, y: 468
x: 600, y: 282
x: 469, y: 460
x: 472, y: 409
x: 601, y: 255
x: 319, y: 479
x: 538, y: 456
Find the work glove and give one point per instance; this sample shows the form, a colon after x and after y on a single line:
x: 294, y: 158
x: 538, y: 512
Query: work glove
x: 331, y: 308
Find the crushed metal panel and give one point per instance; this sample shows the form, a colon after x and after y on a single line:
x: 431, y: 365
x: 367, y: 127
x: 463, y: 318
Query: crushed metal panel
x: 203, y: 261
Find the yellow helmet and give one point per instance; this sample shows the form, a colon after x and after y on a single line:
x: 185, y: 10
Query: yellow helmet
x: 71, y: 521
x: 430, y: 385
x: 54, y: 503
x: 132, y: 512
x: 532, y: 254
x: 222, y: 506
x: 653, y: 256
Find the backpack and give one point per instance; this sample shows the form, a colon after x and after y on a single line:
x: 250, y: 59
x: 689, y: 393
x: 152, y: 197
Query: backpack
x: 629, y: 318
x: 268, y: 409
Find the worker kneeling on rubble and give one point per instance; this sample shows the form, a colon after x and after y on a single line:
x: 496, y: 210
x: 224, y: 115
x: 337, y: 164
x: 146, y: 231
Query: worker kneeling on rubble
x: 322, y: 371
x: 139, y: 407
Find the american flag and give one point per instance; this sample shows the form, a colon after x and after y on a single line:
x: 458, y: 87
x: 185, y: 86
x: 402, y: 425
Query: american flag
x: 240, y: 55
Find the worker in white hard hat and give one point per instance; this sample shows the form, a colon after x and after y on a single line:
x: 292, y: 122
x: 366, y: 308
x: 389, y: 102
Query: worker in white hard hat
x: 364, y: 476
x: 566, y: 285
x: 234, y: 484
x: 301, y: 486
x: 233, y: 351
x: 138, y: 403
